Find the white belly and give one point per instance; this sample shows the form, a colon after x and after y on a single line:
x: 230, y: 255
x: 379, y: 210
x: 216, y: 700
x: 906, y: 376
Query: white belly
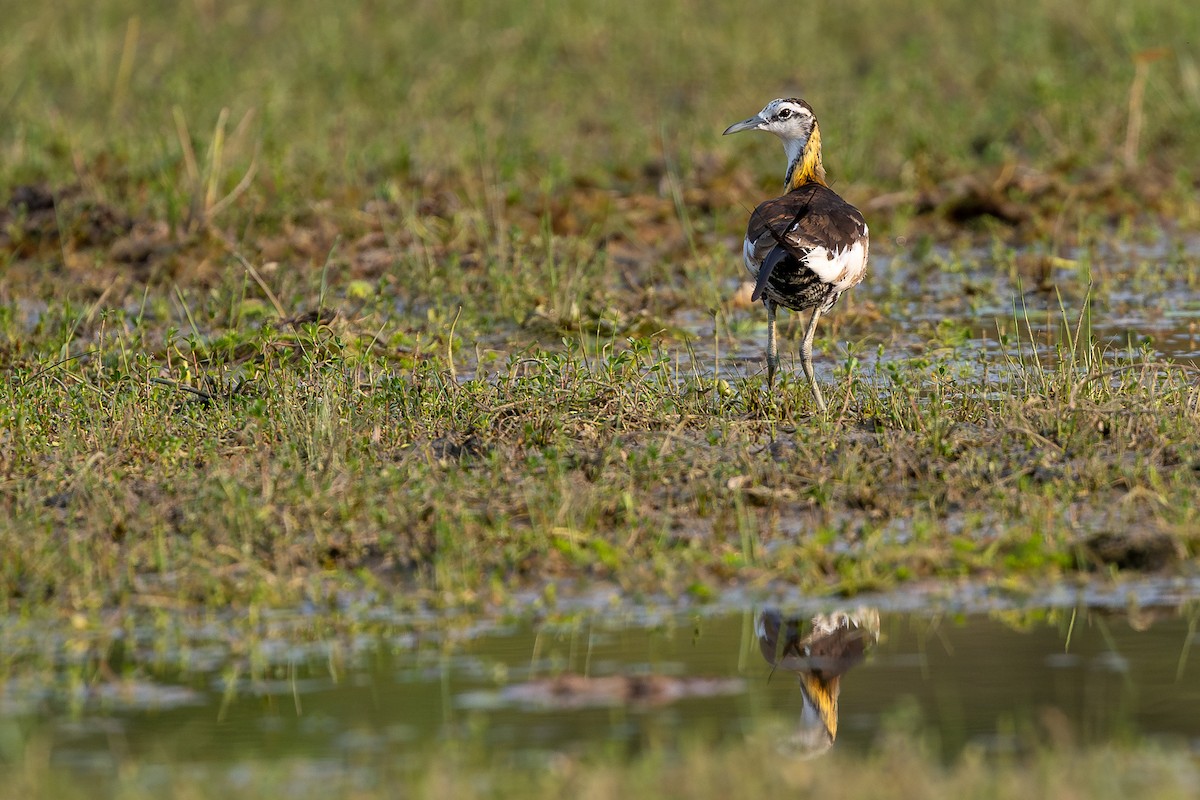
x: 841, y: 269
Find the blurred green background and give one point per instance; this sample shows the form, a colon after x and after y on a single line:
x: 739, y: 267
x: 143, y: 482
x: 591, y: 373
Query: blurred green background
x: 535, y: 95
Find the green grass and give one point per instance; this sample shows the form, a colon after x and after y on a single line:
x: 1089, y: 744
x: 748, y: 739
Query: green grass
x: 260, y: 477
x: 760, y: 766
x: 404, y: 297
x: 490, y: 90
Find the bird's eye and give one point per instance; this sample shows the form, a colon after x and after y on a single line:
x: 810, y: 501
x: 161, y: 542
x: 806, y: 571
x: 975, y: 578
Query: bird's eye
x: 785, y: 113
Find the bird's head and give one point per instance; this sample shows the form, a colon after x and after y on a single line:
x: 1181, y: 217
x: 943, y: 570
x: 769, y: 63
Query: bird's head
x: 790, y: 119
x: 793, y: 121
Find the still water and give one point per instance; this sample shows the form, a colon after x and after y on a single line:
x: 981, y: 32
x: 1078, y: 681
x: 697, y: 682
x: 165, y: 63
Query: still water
x: 610, y: 680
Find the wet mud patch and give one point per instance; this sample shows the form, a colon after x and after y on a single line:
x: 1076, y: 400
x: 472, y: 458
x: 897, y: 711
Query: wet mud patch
x: 37, y: 221
x: 46, y: 233
x: 1143, y: 548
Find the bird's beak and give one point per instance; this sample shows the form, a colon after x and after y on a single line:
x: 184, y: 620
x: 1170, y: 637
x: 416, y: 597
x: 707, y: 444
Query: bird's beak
x: 745, y: 125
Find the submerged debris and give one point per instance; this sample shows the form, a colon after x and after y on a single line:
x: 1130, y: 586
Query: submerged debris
x: 582, y: 691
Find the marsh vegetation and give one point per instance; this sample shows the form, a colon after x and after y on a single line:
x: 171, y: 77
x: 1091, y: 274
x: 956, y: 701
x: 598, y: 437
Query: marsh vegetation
x: 437, y: 306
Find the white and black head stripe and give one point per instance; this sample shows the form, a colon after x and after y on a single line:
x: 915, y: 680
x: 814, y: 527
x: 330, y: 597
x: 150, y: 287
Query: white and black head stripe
x: 785, y: 108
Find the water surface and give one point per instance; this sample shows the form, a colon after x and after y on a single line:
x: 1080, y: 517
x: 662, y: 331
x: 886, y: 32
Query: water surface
x: 613, y: 681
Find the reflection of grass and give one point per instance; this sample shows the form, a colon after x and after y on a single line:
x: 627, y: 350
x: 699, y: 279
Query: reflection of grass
x: 761, y: 767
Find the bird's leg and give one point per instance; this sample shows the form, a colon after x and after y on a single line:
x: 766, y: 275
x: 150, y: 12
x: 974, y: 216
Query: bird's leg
x: 806, y: 358
x: 772, y: 345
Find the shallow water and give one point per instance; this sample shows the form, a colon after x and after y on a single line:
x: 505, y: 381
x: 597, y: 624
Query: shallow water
x: 614, y: 681
x: 976, y: 312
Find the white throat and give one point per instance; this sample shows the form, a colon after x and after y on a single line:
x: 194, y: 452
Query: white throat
x: 793, y: 148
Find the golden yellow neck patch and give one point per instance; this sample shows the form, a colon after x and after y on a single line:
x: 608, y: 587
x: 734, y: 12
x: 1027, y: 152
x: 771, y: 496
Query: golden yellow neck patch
x: 808, y: 167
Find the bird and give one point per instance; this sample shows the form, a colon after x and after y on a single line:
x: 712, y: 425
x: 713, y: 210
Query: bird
x: 808, y: 246
x: 836, y: 643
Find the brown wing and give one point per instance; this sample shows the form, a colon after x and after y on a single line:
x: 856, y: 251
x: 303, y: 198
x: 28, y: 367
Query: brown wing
x: 782, y: 232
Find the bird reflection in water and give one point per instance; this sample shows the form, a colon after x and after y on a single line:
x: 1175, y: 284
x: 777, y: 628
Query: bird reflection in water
x: 835, y: 643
